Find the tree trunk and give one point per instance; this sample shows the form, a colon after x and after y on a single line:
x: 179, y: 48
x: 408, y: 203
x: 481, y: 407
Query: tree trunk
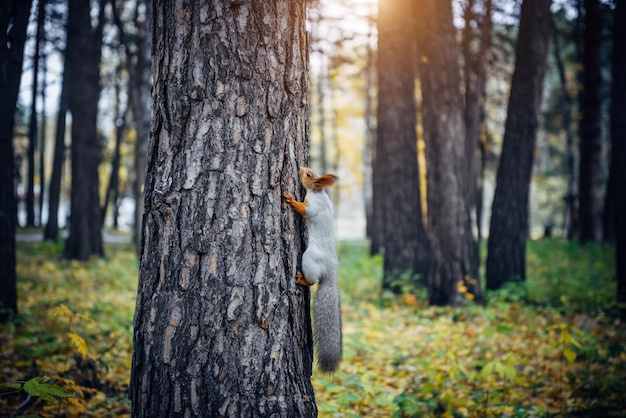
x: 569, y: 229
x: 120, y: 126
x: 475, y: 58
x: 368, y: 146
x: 221, y: 328
x: 396, y: 175
x: 453, y: 258
x: 32, y: 130
x: 618, y: 142
x: 506, y: 248
x: 84, y: 49
x: 590, y: 183
x: 13, y: 22
x: 51, y: 231
x: 141, y: 85
x: 42, y: 137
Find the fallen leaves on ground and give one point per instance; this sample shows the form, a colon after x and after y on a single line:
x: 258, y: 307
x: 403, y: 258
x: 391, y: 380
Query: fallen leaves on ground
x: 401, y: 357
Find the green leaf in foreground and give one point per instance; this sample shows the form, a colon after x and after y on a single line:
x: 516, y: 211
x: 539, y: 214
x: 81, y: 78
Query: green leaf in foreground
x: 12, y: 385
x: 42, y: 387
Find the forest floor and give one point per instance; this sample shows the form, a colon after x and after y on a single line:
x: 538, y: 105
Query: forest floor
x: 549, y: 347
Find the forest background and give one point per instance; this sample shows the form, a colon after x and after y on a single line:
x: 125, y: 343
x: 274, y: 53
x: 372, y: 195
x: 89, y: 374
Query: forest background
x: 549, y: 344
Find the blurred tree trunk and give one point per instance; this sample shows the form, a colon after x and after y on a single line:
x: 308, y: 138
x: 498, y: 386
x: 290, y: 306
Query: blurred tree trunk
x: 618, y: 142
x: 42, y: 135
x: 506, y: 258
x: 569, y: 228
x: 84, y: 47
x: 51, y: 231
x: 32, y: 130
x: 453, y: 273
x: 590, y: 182
x: 221, y: 329
x: 397, y: 203
x: 13, y: 22
x: 141, y: 85
x: 369, y: 145
x: 476, y: 44
x: 120, y: 125
x: 138, y: 48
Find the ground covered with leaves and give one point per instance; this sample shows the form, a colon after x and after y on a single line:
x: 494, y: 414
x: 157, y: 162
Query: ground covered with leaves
x: 550, y: 347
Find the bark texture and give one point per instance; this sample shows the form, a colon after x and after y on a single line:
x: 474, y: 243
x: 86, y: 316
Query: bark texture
x: 83, y: 57
x: 221, y: 328
x: 454, y: 256
x: 506, y: 258
x: 13, y: 22
x: 618, y: 141
x: 397, y: 203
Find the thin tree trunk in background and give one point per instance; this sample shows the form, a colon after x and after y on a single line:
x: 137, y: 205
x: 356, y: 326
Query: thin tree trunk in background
x: 42, y: 138
x: 84, y: 46
x: 13, y: 22
x: 51, y: 231
x: 32, y: 130
x: 570, y: 197
x: 397, y: 201
x: 590, y: 184
x: 140, y: 86
x: 475, y: 59
x: 137, y: 49
x: 120, y: 125
x: 506, y: 248
x: 618, y: 142
x: 221, y: 328
x: 368, y: 146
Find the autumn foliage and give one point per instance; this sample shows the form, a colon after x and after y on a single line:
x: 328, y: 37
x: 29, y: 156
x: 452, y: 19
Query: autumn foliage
x: 550, y: 347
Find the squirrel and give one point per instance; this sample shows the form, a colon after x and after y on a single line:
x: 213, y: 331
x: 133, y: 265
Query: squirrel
x: 319, y: 265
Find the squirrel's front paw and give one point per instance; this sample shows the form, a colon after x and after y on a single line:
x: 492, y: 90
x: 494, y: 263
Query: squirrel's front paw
x: 287, y: 197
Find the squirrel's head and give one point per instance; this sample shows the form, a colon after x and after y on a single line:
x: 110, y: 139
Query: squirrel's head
x: 312, y: 181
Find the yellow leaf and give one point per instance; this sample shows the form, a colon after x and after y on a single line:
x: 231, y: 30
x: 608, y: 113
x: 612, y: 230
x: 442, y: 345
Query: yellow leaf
x: 570, y: 355
x: 62, y: 310
x: 79, y: 343
x: 409, y: 299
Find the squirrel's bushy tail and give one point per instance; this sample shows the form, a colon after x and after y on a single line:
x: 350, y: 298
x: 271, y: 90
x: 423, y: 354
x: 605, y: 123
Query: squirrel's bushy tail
x: 327, y: 315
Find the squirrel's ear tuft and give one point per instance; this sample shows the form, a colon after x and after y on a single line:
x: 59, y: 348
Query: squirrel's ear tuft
x: 325, y: 181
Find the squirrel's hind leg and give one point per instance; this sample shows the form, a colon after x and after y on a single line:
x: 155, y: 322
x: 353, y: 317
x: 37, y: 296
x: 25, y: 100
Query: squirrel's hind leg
x: 312, y: 269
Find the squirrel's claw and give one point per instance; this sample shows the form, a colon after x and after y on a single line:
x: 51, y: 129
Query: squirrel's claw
x: 287, y: 196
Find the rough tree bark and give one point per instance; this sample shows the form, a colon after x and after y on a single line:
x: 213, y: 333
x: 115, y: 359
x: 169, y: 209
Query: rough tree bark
x: 13, y: 22
x: 221, y: 328
x: 397, y: 204
x: 618, y: 142
x: 84, y: 46
x: 454, y: 256
x: 506, y: 248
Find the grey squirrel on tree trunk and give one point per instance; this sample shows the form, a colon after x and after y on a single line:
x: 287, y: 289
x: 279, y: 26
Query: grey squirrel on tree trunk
x: 319, y: 265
